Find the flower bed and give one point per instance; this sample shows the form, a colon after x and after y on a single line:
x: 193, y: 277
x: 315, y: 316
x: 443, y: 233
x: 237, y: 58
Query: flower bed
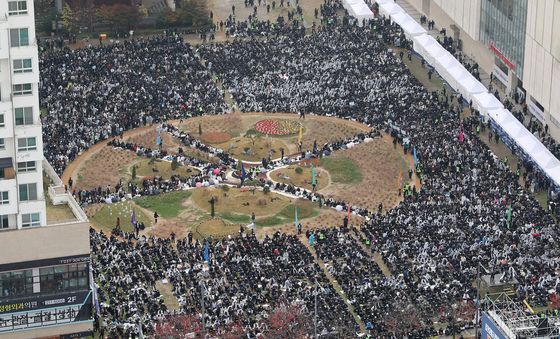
x: 215, y: 137
x: 277, y: 127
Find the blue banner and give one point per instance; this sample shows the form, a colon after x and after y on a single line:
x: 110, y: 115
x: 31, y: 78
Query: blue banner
x: 489, y: 329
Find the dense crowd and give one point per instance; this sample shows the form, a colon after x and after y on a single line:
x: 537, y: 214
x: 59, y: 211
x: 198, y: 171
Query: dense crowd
x: 470, y: 210
x: 245, y: 280
x: 97, y: 92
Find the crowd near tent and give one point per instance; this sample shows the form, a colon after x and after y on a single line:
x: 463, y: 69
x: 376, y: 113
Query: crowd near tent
x: 472, y: 90
x: 518, y: 137
x: 358, y: 9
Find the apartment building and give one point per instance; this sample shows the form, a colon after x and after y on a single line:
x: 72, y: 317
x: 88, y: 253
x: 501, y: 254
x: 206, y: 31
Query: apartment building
x: 44, y: 261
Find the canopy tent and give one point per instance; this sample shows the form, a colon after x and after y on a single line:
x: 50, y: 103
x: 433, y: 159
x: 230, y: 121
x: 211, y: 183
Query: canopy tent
x: 421, y: 42
x: 399, y: 18
x: 445, y: 62
x: 361, y: 12
x: 532, y: 146
x: 485, y: 102
x: 347, y: 4
x: 468, y: 87
x: 411, y: 28
x: 433, y: 51
x: 454, y: 75
x: 388, y: 8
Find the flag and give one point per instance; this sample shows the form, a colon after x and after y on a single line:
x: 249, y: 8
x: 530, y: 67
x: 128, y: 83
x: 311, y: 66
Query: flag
x: 300, y: 134
x: 313, y: 177
x: 243, y: 174
x: 158, y: 137
x: 296, y: 221
x: 414, y: 156
x: 206, y: 253
x: 348, y: 211
x: 312, y: 239
x: 508, y: 215
x: 133, y: 218
x: 461, y: 136
x: 399, y: 179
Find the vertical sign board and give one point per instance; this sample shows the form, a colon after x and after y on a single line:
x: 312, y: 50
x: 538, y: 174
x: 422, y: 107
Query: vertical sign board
x: 489, y: 329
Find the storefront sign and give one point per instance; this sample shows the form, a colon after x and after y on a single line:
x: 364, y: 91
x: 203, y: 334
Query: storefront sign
x: 535, y: 110
x: 500, y: 55
x: 39, y: 302
x: 63, y: 313
x: 500, y: 75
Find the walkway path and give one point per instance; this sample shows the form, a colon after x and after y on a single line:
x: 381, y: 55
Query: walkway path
x: 335, y: 283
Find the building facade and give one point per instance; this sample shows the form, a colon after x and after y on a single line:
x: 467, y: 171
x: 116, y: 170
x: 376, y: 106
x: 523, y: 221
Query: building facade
x: 518, y: 41
x: 44, y: 264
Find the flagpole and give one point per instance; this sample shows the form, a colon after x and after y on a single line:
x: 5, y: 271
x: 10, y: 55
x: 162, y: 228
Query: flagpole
x: 315, y: 307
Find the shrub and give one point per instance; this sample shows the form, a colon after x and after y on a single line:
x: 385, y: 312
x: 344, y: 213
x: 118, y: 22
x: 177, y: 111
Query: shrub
x: 174, y: 164
x: 266, y: 190
x: 133, y: 172
x: 299, y: 170
x: 225, y: 188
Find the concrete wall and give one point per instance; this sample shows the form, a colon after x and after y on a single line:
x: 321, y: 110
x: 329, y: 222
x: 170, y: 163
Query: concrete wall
x: 44, y: 242
x: 542, y: 59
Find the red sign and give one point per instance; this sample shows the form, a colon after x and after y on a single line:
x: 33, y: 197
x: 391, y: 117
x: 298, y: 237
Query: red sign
x: 496, y: 51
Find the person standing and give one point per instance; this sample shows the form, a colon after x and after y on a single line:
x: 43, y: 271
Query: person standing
x: 156, y: 216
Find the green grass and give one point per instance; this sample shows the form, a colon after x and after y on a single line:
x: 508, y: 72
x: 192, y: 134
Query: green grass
x: 306, y: 209
x: 235, y: 218
x: 167, y: 205
x: 106, y: 218
x: 342, y: 170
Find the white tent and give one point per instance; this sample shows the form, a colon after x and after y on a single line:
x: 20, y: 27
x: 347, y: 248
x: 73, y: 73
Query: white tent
x: 421, y: 42
x: 485, y: 102
x: 399, y: 18
x: 361, y: 12
x: 411, y: 28
x: 433, y: 51
x: 453, y: 75
x: 445, y: 62
x: 469, y: 86
x: 554, y: 174
x: 347, y: 4
x: 388, y: 8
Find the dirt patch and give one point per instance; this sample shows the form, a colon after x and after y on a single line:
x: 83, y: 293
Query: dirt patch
x: 215, y: 137
x: 104, y: 168
x: 290, y: 176
x: 148, y: 139
x: 380, y: 166
x: 228, y: 123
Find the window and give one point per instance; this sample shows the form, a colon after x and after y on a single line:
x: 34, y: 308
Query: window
x: 2, y: 144
x: 17, y: 7
x: 27, y: 192
x: 17, y: 283
x: 27, y: 144
x: 30, y: 220
x: 50, y: 280
x: 19, y: 37
x: 2, y: 173
x: 4, y: 200
x: 22, y: 89
x: 24, y: 116
x: 26, y: 166
x: 2, y: 121
x: 4, y: 222
x: 22, y: 66
x: 64, y: 278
